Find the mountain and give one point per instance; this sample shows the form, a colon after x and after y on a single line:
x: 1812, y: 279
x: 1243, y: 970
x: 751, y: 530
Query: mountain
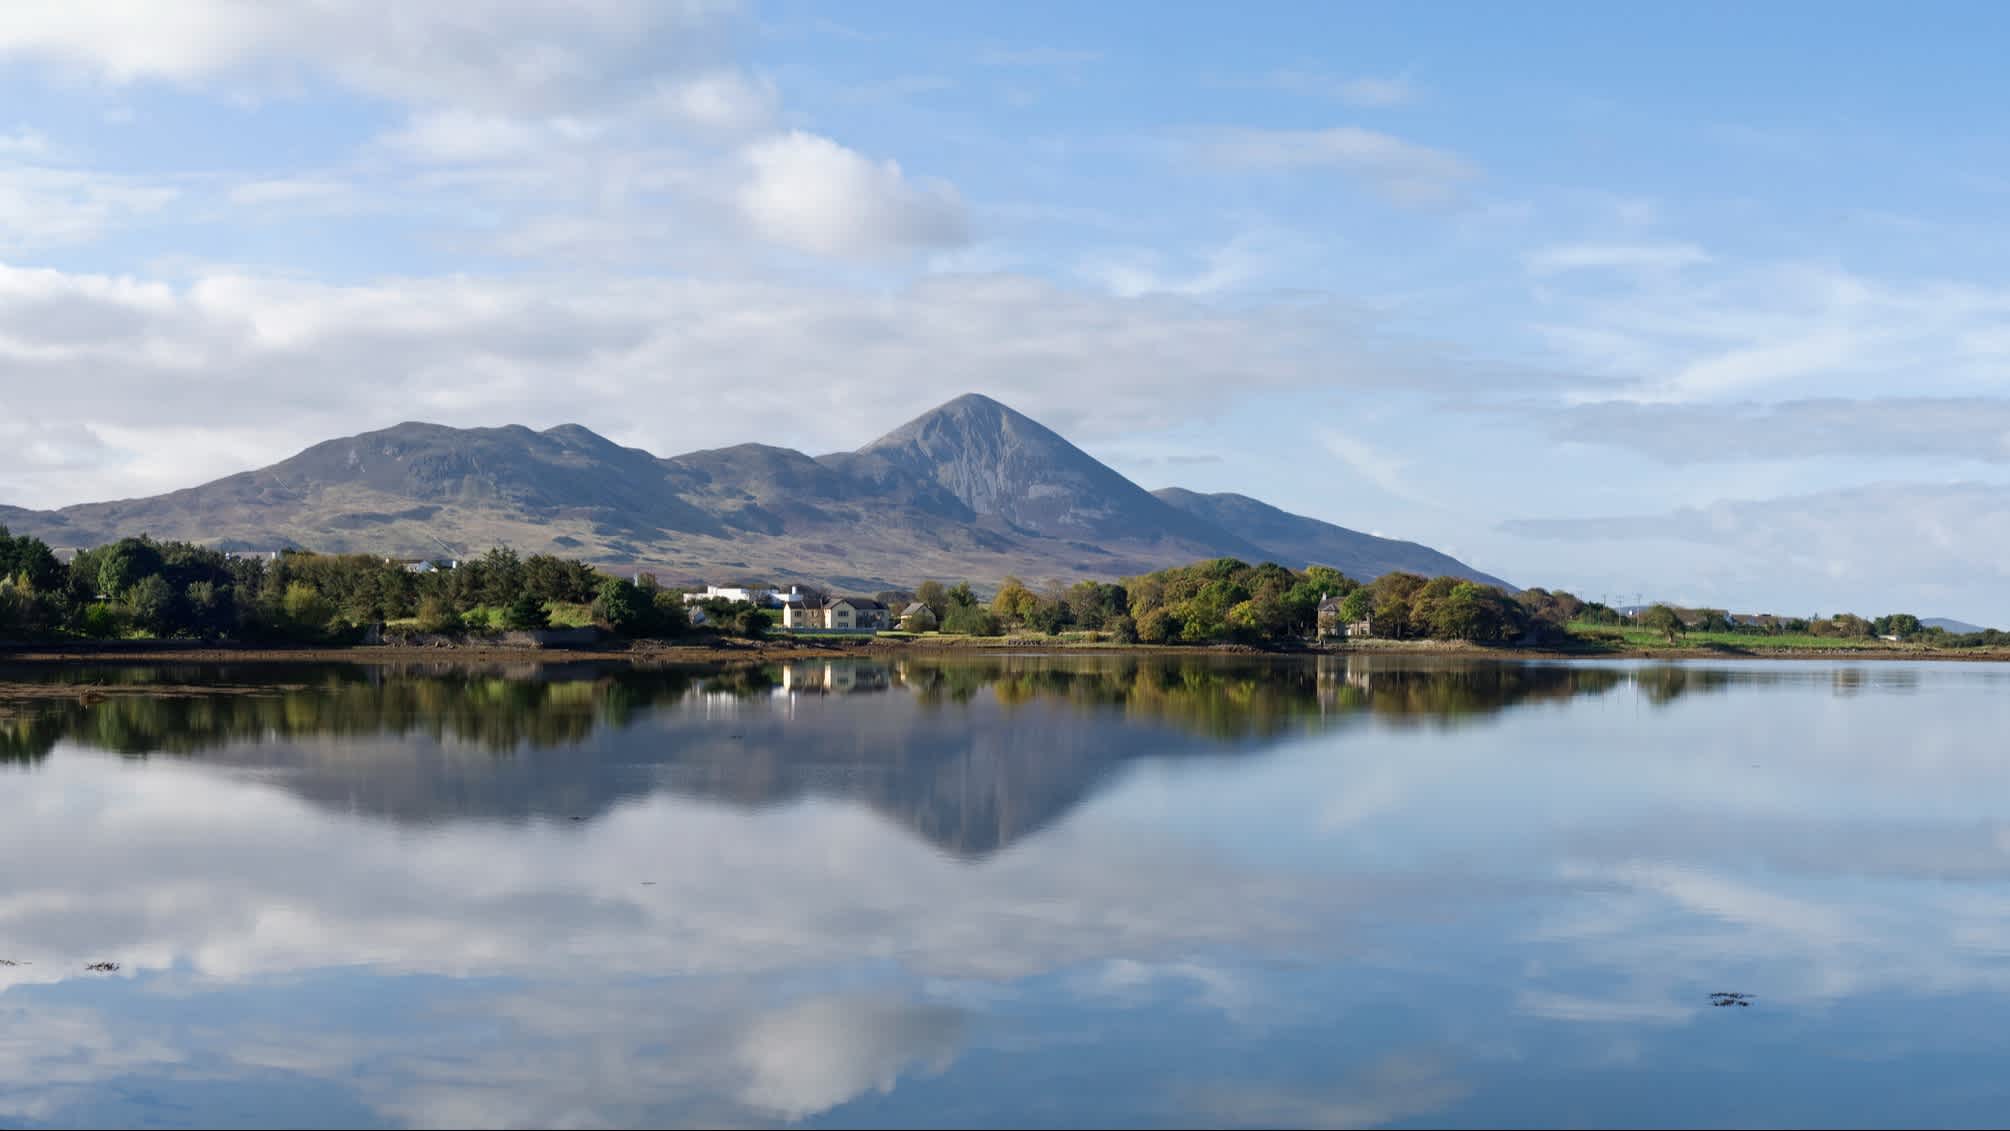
x: 1295, y: 540
x: 1958, y: 627
x: 1015, y: 473
x: 970, y: 490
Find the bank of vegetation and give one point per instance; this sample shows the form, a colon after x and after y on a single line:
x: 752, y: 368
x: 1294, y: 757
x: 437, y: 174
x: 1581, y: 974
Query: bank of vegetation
x: 141, y: 588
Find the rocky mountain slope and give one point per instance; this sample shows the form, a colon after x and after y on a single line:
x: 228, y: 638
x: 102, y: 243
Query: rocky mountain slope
x: 970, y: 490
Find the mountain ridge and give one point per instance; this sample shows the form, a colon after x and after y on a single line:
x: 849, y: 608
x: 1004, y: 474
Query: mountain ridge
x: 971, y: 489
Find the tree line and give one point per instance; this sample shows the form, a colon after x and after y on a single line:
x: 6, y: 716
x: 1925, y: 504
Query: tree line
x: 140, y: 586
x: 1225, y: 600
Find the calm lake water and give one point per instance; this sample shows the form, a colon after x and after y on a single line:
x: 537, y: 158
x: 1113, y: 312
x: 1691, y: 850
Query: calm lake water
x: 1007, y: 892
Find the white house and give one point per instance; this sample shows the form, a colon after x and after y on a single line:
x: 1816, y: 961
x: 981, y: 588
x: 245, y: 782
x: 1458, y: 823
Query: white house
x: 846, y: 614
x: 759, y: 595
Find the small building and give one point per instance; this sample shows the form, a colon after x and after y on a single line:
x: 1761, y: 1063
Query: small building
x: 842, y: 614
x: 1329, y: 623
x: 1360, y: 629
x: 861, y: 613
x: 918, y: 617
x: 760, y: 596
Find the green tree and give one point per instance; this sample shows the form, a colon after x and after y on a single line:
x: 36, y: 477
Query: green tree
x: 30, y: 558
x: 1014, y: 603
x: 1356, y: 606
x: 622, y: 607
x: 961, y: 594
x: 436, y: 614
x: 1122, y: 629
x: 122, y: 564
x: 499, y: 575
x: 306, y: 609
x: 670, y: 617
x: 1157, y: 626
x: 1664, y: 620
x: 1051, y: 617
x: 752, y: 622
x: 932, y: 594
x: 970, y: 620
x: 151, y: 604
x: 526, y: 613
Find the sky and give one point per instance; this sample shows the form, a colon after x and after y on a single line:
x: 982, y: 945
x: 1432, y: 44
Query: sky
x: 1706, y: 303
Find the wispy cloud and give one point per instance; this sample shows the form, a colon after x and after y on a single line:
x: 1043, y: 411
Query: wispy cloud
x: 1615, y: 257
x: 1036, y: 57
x: 1878, y: 546
x: 1919, y: 428
x: 1710, y: 331
x: 1391, y: 473
x: 1403, y: 170
x: 1366, y: 91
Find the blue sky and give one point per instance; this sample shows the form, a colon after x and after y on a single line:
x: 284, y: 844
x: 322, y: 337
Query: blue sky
x: 1703, y: 302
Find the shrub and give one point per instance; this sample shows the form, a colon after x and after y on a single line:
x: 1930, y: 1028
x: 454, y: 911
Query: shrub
x: 436, y: 615
x: 306, y: 608
x: 526, y: 613
x: 1123, y: 629
x: 102, y: 620
x: 1157, y: 627
x: 969, y: 620
x: 151, y: 601
x: 622, y: 607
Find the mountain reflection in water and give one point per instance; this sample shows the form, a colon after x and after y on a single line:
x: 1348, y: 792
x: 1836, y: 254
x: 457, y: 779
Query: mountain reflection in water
x: 971, y: 754
x: 1005, y: 890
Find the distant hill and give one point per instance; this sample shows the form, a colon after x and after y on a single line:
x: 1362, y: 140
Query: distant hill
x: 1958, y: 627
x: 1297, y: 541
x: 971, y: 489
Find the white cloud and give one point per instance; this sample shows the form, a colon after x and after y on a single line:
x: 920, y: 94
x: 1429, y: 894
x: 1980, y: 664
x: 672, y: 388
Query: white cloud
x: 43, y: 207
x: 24, y: 141
x: 1403, y: 170
x: 812, y: 194
x: 522, y: 54
x: 1143, y: 272
x: 1391, y: 473
x: 1366, y: 91
x: 1706, y: 332
x: 723, y: 100
x: 1036, y: 57
x: 1917, y: 428
x: 1619, y: 257
x: 1872, y: 548
x: 453, y: 136
x: 293, y: 192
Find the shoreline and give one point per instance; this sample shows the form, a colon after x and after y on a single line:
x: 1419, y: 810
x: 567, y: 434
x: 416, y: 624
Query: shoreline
x: 767, y: 651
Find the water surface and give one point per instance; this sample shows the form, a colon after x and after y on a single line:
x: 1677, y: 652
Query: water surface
x: 1011, y: 891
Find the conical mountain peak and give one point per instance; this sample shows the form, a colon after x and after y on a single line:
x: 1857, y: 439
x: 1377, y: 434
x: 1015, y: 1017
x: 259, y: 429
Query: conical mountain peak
x: 1013, y: 470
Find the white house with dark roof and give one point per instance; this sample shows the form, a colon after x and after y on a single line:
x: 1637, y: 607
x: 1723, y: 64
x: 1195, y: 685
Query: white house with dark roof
x: 840, y: 614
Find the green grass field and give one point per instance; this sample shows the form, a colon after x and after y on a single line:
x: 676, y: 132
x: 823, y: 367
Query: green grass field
x: 1632, y: 637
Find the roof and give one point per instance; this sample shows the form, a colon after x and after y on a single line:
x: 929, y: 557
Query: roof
x: 916, y: 609
x: 1331, y: 604
x: 856, y: 603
